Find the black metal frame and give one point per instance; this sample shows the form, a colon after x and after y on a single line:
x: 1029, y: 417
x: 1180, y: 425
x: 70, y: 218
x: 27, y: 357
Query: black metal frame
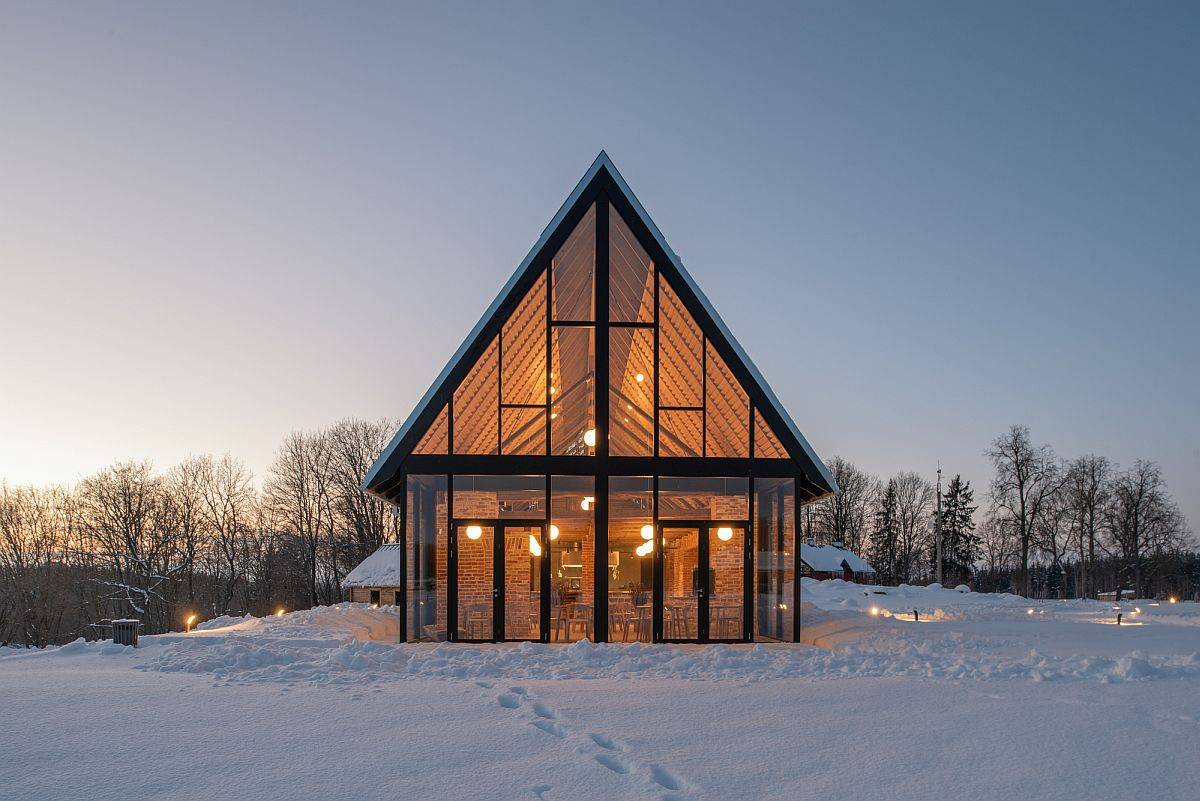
x: 605, y: 192
x: 498, y: 525
x: 704, y: 529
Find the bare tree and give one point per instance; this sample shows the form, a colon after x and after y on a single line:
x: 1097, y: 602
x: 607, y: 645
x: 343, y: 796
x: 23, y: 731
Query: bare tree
x: 367, y: 521
x: 1087, y: 492
x: 1053, y: 536
x: 229, y: 510
x: 1025, y: 479
x: 35, y: 532
x: 184, y: 487
x: 846, y: 516
x: 301, y: 493
x: 127, y: 521
x: 914, y: 510
x: 1001, y: 545
x: 1142, y: 519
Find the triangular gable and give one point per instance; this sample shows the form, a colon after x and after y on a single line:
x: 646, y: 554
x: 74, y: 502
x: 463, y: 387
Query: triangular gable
x: 775, y: 434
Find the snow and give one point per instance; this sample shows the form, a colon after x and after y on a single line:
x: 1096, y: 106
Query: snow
x: 380, y: 569
x: 829, y: 558
x: 978, y: 697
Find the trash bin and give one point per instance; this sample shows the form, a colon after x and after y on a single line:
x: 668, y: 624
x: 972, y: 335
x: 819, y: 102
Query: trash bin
x: 125, y: 632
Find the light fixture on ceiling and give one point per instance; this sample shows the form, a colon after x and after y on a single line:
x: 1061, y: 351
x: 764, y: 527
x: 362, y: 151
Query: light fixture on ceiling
x: 535, y: 547
x: 589, y: 437
x: 645, y: 548
x: 474, y: 532
x: 553, y: 531
x: 639, y: 378
x: 648, y: 532
x: 724, y: 533
x: 587, y: 502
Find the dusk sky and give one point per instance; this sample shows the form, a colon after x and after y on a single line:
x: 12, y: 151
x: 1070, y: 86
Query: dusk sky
x: 925, y: 222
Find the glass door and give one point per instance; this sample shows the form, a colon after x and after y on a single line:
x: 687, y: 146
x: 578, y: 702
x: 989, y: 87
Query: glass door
x: 726, y: 593
x: 683, y: 584
x: 521, y: 583
x: 474, y: 578
x: 498, y: 572
x: 703, y: 581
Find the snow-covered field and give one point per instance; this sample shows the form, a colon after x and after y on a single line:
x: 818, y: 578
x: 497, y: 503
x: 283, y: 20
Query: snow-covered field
x: 978, y: 699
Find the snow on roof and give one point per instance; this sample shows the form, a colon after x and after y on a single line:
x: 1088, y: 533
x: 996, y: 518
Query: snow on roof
x: 828, y: 559
x: 380, y: 569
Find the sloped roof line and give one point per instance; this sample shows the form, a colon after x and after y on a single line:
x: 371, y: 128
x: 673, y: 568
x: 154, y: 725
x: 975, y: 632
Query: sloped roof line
x: 601, y: 161
x: 738, y: 350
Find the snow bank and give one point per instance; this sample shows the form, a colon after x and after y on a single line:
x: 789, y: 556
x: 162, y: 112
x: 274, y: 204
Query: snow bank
x: 340, y: 646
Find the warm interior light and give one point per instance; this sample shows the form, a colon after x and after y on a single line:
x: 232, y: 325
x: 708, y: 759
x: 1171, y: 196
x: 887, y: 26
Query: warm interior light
x: 589, y: 437
x: 645, y: 548
x: 648, y: 532
x: 535, y: 547
x: 553, y: 415
x: 552, y: 390
x: 639, y: 378
x: 553, y: 531
x: 474, y: 532
x: 724, y: 533
x: 587, y: 502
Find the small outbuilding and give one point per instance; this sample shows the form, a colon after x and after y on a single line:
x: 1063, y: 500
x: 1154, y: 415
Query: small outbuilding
x: 834, y: 562
x: 378, y: 579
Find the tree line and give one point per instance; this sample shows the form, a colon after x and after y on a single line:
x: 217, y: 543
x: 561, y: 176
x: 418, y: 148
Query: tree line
x: 199, y: 538
x: 1046, y: 526
x: 204, y: 538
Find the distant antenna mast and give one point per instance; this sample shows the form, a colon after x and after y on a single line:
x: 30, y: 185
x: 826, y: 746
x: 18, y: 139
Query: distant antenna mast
x: 937, y: 526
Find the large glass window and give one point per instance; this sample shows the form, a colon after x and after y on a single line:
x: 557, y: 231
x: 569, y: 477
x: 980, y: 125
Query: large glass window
x: 524, y: 349
x: 680, y: 353
x: 727, y: 410
x: 436, y: 439
x: 699, y: 498
x: 630, y: 558
x: 572, y: 558
x: 631, y: 391
x: 427, y: 531
x: 523, y: 431
x: 476, y: 406
x: 573, y: 391
x: 573, y: 273
x: 775, y: 558
x: 630, y: 275
x: 766, y: 444
x: 499, y: 497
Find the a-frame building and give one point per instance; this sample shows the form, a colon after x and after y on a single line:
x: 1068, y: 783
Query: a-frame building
x: 600, y: 458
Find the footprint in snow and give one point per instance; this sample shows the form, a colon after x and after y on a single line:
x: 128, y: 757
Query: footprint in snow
x: 508, y: 701
x: 543, y: 711
x: 607, y: 742
x: 487, y: 685
x: 540, y: 790
x: 667, y: 778
x: 550, y: 727
x: 519, y: 690
x: 614, y: 763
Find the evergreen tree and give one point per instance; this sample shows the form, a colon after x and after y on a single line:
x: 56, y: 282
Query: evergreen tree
x: 884, y: 535
x: 960, y: 543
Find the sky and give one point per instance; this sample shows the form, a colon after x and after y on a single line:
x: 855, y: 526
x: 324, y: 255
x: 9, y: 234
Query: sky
x: 925, y: 222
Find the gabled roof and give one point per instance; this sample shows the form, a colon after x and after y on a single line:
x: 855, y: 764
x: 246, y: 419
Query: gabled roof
x: 602, y: 169
x: 380, y: 569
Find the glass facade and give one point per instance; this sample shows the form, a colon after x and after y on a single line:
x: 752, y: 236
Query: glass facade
x: 599, y: 466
